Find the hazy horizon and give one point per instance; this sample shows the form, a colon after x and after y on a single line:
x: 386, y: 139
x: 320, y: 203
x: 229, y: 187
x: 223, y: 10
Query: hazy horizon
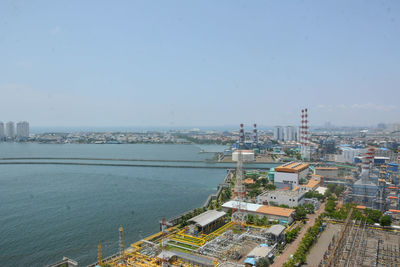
x: 172, y: 63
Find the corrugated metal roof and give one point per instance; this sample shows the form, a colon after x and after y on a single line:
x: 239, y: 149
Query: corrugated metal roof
x: 207, y: 217
x: 249, y: 206
x: 292, y: 167
x: 259, y: 252
x: 276, y: 229
x: 277, y: 211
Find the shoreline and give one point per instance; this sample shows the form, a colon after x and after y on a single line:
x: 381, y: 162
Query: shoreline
x: 173, y: 221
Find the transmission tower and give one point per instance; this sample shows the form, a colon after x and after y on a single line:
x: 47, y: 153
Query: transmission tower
x: 164, y: 260
x: 121, y: 242
x: 239, y: 215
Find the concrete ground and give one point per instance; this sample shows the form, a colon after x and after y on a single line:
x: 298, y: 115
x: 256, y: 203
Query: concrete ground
x: 318, y: 250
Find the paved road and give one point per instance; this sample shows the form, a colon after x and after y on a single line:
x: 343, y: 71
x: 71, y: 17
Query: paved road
x: 318, y: 250
x: 291, y: 249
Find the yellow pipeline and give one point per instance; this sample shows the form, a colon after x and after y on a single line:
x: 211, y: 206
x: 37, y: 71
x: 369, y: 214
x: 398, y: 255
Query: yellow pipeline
x: 187, y: 242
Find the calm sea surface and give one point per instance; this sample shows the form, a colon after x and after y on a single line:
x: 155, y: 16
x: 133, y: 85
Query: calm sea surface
x: 50, y: 211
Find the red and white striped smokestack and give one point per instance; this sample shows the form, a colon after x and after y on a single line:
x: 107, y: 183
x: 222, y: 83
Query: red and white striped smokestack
x: 367, y: 161
x: 306, y: 127
x: 302, y: 128
x: 370, y: 155
x: 255, y: 135
x: 241, y: 136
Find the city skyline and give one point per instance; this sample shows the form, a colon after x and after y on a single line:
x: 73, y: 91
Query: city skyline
x: 200, y: 64
x: 10, y: 130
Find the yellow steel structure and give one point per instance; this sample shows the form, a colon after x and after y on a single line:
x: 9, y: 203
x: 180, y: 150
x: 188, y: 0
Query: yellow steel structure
x: 99, y: 254
x: 134, y: 257
x: 121, y: 241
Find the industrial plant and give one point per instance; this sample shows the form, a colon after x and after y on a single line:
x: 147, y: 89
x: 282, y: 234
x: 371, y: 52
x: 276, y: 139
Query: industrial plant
x: 256, y: 213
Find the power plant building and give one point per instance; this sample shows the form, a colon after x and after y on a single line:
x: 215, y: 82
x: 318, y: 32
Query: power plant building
x: 282, y: 197
x: 283, y: 215
x: 247, y: 155
x: 290, y: 174
x: 365, y: 191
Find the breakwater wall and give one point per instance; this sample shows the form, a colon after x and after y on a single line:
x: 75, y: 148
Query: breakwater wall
x: 115, y: 164
x: 102, y: 159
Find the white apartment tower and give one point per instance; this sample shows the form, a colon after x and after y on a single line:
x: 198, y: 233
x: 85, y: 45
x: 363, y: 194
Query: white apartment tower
x: 10, y: 130
x: 1, y: 130
x: 23, y: 129
x: 289, y: 133
x: 286, y: 133
x: 278, y: 133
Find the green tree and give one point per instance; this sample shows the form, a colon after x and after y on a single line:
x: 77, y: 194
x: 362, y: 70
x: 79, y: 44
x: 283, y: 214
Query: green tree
x: 255, y: 192
x: 270, y: 187
x: 250, y: 219
x: 338, y: 190
x: 309, y: 208
x: 263, y: 262
x: 301, y: 213
x: 330, y: 206
x: 386, y: 220
x: 264, y: 181
x: 373, y: 215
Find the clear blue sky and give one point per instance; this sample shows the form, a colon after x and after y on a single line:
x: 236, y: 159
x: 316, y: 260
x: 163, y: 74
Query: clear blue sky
x: 199, y: 63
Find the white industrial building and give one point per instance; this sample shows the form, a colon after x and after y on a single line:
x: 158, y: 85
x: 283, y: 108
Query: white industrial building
x: 283, y: 215
x: 348, y: 154
x: 247, y: 155
x: 290, y: 174
x: 282, y: 197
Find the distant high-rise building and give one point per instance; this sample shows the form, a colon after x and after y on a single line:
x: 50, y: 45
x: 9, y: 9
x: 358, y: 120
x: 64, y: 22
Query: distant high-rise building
x: 10, y: 130
x: 289, y: 133
x: 22, y: 129
x: 278, y: 133
x: 381, y: 126
x: 1, y: 131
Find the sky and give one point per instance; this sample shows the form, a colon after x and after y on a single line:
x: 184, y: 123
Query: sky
x: 199, y: 63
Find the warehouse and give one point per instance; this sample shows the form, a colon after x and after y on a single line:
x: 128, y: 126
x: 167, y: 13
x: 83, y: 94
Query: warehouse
x: 283, y: 215
x: 208, y: 221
